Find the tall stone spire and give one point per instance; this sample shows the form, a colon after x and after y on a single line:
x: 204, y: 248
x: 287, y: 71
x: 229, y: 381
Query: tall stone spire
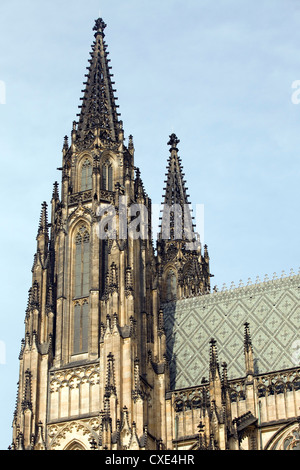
x: 179, y: 222
x: 214, y: 363
x: 248, y: 351
x: 107, y: 279
x: 184, y: 271
x: 99, y: 114
x: 43, y: 225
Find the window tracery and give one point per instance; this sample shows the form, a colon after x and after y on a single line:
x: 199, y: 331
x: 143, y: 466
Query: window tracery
x: 82, y: 262
x: 81, y: 291
x: 171, y: 286
x: 86, y: 176
x: 287, y: 439
x: 107, y: 176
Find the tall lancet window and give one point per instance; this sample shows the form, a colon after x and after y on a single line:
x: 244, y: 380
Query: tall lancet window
x: 171, y: 286
x: 86, y: 175
x: 82, y: 262
x: 107, y: 176
x: 81, y: 290
x: 104, y: 268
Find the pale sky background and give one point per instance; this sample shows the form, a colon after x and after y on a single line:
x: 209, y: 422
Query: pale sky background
x: 218, y: 74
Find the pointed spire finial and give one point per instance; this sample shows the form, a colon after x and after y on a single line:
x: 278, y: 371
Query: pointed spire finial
x: 65, y: 145
x: 43, y: 225
x: 26, y: 403
x: 55, y: 193
x: 225, y: 374
x: 99, y: 26
x: 174, y: 141
x: 98, y: 118
x: 214, y: 363
x: 130, y: 142
x: 248, y: 351
x: 202, y: 438
x: 247, y: 337
x: 110, y: 387
x: 177, y: 223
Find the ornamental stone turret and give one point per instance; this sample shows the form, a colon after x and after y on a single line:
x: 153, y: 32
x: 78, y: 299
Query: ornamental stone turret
x: 183, y: 269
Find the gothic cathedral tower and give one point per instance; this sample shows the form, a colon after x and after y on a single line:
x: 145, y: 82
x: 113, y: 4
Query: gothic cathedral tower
x: 93, y: 365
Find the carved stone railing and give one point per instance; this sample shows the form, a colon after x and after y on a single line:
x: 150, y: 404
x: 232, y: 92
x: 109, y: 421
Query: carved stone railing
x: 106, y: 196
x: 83, y: 196
x: 86, y: 196
x: 273, y: 382
x: 278, y: 382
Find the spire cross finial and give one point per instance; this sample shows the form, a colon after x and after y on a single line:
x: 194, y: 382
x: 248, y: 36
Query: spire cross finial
x: 99, y: 26
x: 174, y: 141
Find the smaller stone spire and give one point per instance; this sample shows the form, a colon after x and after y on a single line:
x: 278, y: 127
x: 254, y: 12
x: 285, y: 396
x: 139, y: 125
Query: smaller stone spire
x: 98, y: 115
x: 224, y: 375
x: 214, y: 363
x: 161, y: 325
x: 226, y: 397
x: 55, y: 193
x: 202, y: 443
x: 35, y: 295
x: 130, y: 144
x: 136, y: 393
x: 177, y: 219
x: 43, y: 225
x: 248, y: 351
x: 215, y: 383
x: 26, y: 403
x: 66, y: 144
x: 110, y: 387
x: 247, y: 337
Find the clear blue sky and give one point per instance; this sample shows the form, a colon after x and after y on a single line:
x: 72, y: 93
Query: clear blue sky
x: 218, y: 74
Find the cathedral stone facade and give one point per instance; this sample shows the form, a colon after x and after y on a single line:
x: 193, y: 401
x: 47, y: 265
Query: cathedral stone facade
x: 122, y: 337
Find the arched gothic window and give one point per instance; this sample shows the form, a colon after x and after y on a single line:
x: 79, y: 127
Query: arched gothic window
x: 81, y: 327
x: 171, y: 286
x: 86, y: 175
x: 107, y: 176
x: 81, y: 290
x: 82, y: 262
x: 104, y: 268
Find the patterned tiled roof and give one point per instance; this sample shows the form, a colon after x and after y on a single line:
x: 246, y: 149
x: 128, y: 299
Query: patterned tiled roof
x: 271, y: 307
